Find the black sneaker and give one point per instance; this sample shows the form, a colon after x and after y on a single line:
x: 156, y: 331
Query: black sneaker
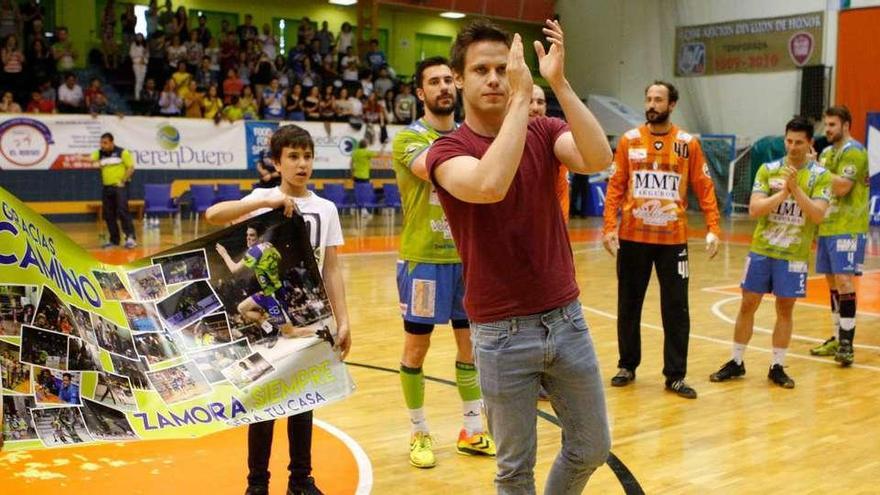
x: 777, y: 375
x: 844, y: 354
x: 304, y: 487
x: 623, y: 377
x: 728, y: 371
x: 257, y: 490
x: 681, y: 388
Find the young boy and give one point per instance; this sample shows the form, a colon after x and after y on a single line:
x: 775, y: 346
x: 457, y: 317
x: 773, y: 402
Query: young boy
x: 292, y: 149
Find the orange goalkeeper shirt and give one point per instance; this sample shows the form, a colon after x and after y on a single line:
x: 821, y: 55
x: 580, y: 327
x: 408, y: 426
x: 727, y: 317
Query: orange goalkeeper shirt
x: 649, y: 187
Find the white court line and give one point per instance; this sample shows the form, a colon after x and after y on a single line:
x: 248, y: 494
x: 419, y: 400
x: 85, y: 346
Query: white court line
x: 716, y: 310
x: 365, y: 468
x: 718, y: 290
x: 728, y: 341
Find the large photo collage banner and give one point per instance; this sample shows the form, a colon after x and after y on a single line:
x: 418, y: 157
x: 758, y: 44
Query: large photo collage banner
x: 226, y: 330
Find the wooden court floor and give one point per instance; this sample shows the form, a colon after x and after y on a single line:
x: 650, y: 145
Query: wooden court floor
x: 742, y: 437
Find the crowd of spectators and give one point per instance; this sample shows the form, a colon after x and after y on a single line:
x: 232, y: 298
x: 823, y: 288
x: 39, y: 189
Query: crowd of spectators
x: 180, y: 68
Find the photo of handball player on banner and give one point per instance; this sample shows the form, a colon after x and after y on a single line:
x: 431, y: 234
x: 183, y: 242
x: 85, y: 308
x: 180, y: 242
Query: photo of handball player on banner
x: 265, y: 274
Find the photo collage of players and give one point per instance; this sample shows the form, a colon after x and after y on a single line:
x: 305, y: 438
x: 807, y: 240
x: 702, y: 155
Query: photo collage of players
x: 223, y: 309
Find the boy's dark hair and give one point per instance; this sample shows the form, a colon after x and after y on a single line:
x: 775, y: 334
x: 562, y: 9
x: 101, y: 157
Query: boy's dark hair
x: 476, y: 31
x: 425, y: 64
x: 67, y: 375
x: 289, y: 136
x: 841, y: 112
x: 800, y: 124
x: 672, y: 90
x: 257, y: 226
x: 107, y: 135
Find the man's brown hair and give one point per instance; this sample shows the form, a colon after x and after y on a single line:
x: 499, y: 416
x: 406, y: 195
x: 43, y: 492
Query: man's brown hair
x: 476, y: 31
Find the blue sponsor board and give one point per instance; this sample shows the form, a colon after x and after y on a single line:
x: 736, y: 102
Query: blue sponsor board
x: 257, y: 136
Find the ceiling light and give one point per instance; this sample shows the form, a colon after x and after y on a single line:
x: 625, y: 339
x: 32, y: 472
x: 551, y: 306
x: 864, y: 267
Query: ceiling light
x: 343, y: 2
x: 452, y: 15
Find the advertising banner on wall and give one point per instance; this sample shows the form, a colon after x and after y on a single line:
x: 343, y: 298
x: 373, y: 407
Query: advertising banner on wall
x: 749, y: 45
x: 43, y: 142
x: 873, y: 144
x: 334, y: 142
x: 207, y: 336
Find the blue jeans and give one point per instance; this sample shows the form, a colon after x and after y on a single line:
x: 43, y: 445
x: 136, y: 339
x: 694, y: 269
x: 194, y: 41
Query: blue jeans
x: 514, y: 358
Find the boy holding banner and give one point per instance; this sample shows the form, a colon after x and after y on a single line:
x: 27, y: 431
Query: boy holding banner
x: 292, y: 150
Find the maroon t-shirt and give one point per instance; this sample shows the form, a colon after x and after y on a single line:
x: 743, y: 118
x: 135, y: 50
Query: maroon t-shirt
x: 516, y: 253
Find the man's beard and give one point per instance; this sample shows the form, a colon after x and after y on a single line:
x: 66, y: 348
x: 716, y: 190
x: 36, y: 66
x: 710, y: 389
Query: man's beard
x: 438, y: 108
x: 655, y: 117
x: 834, y: 138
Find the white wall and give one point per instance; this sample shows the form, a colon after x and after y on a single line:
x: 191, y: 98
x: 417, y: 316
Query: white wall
x: 616, y: 47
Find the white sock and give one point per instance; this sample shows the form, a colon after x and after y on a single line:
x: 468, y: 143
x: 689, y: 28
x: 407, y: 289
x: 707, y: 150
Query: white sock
x: 417, y: 421
x: 473, y: 421
x: 738, y: 351
x: 835, y: 319
x: 779, y: 355
x: 847, y: 323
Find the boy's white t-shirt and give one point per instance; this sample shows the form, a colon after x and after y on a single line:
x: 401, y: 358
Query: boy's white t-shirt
x: 319, y: 214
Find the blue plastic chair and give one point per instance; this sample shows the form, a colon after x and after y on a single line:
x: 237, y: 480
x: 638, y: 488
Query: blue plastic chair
x: 365, y: 195
x: 202, y: 197
x: 158, y: 200
x: 392, y: 196
x: 336, y: 194
x: 228, y: 192
x: 311, y: 187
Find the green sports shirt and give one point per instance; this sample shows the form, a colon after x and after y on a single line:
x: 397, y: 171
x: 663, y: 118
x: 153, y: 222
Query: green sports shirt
x: 786, y: 233
x: 847, y: 214
x: 263, y: 259
x: 425, y: 237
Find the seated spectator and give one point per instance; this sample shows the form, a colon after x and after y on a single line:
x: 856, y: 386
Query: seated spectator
x: 357, y: 107
x: 327, y: 105
x: 212, y: 105
x: 193, y: 100
x: 328, y: 72
x: 269, y: 175
x: 181, y: 79
x: 309, y: 76
x: 93, y: 92
x: 387, y: 103
x: 234, y: 110
x: 205, y: 74
x: 13, y: 64
x: 232, y: 86
x: 38, y: 104
x: 228, y: 51
x: 405, y: 105
x: 382, y: 84
x: 245, y: 68
x: 8, y: 104
x: 70, y: 96
x: 346, y: 38
x: 346, y: 60
x: 367, y: 83
x: 194, y: 51
x: 63, y: 52
x: 343, y: 106
x: 294, y: 106
x: 311, y: 103
x: 213, y: 53
x: 175, y: 53
x: 169, y: 103
x: 263, y: 73
x: 273, y: 101
x: 150, y: 98
x: 314, y: 54
x: 375, y: 58
x: 100, y: 105
x: 248, y: 103
x: 374, y: 112
x: 281, y: 72
x: 350, y: 74
x: 48, y: 92
x: 268, y: 42
x: 296, y: 59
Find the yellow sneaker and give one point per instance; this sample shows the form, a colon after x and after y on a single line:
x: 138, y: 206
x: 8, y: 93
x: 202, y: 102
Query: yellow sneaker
x: 477, y: 444
x: 421, y: 453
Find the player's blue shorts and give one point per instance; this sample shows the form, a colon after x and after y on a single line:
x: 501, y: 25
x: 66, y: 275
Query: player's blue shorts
x: 783, y: 278
x: 841, y: 254
x: 272, y: 307
x: 430, y: 293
